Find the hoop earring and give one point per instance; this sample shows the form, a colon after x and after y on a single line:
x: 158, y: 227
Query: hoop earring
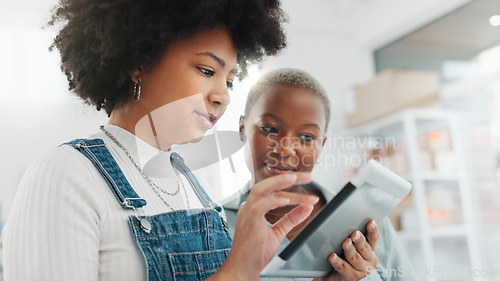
x: 137, y: 90
x: 243, y: 138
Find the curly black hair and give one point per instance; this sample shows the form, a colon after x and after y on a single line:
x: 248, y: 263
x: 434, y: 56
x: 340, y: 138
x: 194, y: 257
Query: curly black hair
x: 102, y: 41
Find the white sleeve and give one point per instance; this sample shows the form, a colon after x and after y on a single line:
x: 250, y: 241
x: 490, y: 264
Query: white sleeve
x: 53, y: 230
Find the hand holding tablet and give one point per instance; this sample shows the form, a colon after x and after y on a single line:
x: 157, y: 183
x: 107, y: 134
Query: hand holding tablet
x: 371, y: 194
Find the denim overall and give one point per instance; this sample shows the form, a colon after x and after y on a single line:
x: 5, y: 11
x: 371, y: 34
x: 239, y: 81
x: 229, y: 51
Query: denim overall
x: 178, y: 245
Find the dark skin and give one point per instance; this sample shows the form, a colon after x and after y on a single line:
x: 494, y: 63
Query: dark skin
x: 286, y: 130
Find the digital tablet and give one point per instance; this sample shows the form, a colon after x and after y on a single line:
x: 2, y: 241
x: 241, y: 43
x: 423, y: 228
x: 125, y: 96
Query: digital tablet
x: 370, y: 194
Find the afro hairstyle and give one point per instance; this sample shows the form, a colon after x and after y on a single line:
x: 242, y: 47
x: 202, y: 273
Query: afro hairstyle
x: 102, y: 41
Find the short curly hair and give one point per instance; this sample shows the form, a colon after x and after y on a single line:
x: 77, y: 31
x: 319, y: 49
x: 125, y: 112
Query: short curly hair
x: 291, y: 77
x: 102, y: 41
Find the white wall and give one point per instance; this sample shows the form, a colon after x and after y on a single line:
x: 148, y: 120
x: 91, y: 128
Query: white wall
x: 333, y: 40
x: 36, y: 111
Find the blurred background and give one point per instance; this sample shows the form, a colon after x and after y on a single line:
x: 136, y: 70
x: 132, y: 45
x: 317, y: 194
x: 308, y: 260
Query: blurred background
x: 414, y: 84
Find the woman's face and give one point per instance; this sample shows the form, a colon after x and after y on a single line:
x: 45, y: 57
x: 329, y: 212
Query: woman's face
x: 285, y: 130
x: 187, y: 91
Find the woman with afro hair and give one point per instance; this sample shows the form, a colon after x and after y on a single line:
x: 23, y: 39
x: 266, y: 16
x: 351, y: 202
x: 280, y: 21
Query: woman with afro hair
x: 119, y: 204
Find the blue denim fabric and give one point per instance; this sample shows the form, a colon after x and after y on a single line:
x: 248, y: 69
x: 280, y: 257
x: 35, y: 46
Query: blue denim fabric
x: 95, y: 150
x: 181, y: 245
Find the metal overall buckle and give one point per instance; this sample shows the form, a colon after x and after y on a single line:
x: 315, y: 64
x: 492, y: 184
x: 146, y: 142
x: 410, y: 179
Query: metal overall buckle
x: 143, y: 222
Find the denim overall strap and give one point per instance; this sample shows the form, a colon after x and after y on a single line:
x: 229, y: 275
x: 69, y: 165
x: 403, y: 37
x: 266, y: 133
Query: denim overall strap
x: 95, y: 150
x: 178, y: 245
x: 178, y: 163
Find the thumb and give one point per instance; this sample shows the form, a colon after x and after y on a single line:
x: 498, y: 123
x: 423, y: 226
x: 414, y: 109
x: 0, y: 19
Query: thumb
x: 291, y: 219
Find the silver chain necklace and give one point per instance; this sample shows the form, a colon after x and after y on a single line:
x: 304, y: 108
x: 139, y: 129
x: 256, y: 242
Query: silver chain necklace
x: 150, y: 182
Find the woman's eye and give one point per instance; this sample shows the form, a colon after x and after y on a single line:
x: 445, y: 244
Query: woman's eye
x: 269, y: 129
x: 306, y: 138
x: 229, y: 85
x: 206, y: 72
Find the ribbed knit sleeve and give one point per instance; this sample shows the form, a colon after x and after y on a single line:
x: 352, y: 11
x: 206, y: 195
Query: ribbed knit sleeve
x: 54, y: 230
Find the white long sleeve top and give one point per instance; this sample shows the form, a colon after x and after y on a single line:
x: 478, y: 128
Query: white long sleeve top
x: 66, y: 224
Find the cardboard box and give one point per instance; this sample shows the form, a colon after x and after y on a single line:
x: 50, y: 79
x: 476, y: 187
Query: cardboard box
x: 445, y: 161
x: 396, y: 215
x: 439, y: 140
x: 443, y: 206
x: 400, y: 162
x: 393, y: 90
x: 426, y: 160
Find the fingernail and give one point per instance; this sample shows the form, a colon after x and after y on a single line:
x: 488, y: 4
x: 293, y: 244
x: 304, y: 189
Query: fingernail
x: 357, y: 236
x: 373, y: 225
x: 334, y: 258
x: 314, y: 198
x: 349, y: 244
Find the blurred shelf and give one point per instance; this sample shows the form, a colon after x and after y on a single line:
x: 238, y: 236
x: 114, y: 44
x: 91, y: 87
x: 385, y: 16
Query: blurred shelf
x: 434, y: 176
x: 448, y: 231
x: 409, y: 234
x: 435, y: 232
x: 408, y: 125
x: 425, y: 118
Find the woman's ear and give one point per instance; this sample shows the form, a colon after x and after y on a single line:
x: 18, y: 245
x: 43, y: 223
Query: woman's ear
x: 136, y: 74
x: 243, y: 137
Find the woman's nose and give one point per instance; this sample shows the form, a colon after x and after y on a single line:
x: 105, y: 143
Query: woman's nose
x: 285, y: 147
x: 219, y: 95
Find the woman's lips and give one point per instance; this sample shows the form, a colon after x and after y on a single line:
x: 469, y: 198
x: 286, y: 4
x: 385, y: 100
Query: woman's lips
x: 206, y: 119
x: 279, y: 168
x: 212, y: 117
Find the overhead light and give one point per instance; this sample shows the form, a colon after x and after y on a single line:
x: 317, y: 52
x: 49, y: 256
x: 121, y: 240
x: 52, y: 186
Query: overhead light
x: 495, y: 20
